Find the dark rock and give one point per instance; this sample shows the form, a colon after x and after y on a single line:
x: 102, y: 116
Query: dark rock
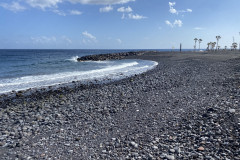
x: 112, y: 56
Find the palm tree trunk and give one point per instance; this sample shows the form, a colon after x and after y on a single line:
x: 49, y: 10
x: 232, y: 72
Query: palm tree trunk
x: 195, y: 45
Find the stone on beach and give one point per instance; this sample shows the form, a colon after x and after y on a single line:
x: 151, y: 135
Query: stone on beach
x: 200, y: 149
x: 185, y: 108
x: 232, y: 110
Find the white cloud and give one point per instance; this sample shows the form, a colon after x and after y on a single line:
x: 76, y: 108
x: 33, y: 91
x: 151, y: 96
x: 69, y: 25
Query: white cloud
x: 175, y: 23
x: 43, y: 3
x: 127, y: 9
x: 104, y: 2
x: 174, y: 11
x: 178, y: 23
x: 106, y: 9
x: 66, y: 39
x: 14, y: 6
x: 75, y: 12
x: 61, y: 13
x: 49, y: 40
x: 43, y: 39
x: 171, y: 4
x: 185, y: 11
x: 169, y: 23
x: 89, y: 36
x: 119, y: 41
x: 136, y: 16
x: 198, y: 28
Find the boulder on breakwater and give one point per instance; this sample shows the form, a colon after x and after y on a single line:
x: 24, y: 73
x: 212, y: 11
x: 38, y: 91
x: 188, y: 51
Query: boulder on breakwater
x: 110, y: 56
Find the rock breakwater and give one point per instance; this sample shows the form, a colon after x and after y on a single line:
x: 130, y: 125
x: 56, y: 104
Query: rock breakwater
x: 111, y: 56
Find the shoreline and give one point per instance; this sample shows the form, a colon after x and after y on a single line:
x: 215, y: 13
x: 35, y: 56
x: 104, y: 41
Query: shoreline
x: 98, y: 57
x: 8, y: 96
x: 16, y: 94
x: 186, y: 107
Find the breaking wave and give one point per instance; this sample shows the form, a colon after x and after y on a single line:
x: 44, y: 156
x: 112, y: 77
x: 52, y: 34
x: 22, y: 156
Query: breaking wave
x: 114, y: 70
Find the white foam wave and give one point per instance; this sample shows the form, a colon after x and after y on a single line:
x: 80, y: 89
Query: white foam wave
x: 99, y: 62
x: 42, y: 78
x: 102, y: 62
x: 73, y: 59
x: 113, y: 71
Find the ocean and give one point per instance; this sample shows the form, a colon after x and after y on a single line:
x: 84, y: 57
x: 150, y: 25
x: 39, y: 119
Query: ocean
x: 25, y: 69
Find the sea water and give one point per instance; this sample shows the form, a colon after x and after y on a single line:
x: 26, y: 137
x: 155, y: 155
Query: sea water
x: 24, y: 69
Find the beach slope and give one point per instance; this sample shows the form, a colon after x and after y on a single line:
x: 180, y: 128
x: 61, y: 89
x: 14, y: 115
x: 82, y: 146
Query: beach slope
x: 185, y: 108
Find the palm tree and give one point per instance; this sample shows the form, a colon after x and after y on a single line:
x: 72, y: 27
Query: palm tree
x: 195, y: 43
x: 234, y: 45
x: 213, y: 45
x: 217, y: 37
x: 200, y: 40
x: 208, y: 45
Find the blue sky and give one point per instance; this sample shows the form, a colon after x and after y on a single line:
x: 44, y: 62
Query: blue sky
x: 117, y: 24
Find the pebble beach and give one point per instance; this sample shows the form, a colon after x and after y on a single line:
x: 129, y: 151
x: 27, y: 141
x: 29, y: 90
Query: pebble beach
x: 185, y: 108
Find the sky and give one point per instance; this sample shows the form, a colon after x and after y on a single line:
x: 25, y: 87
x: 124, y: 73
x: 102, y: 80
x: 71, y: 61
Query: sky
x: 117, y: 24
